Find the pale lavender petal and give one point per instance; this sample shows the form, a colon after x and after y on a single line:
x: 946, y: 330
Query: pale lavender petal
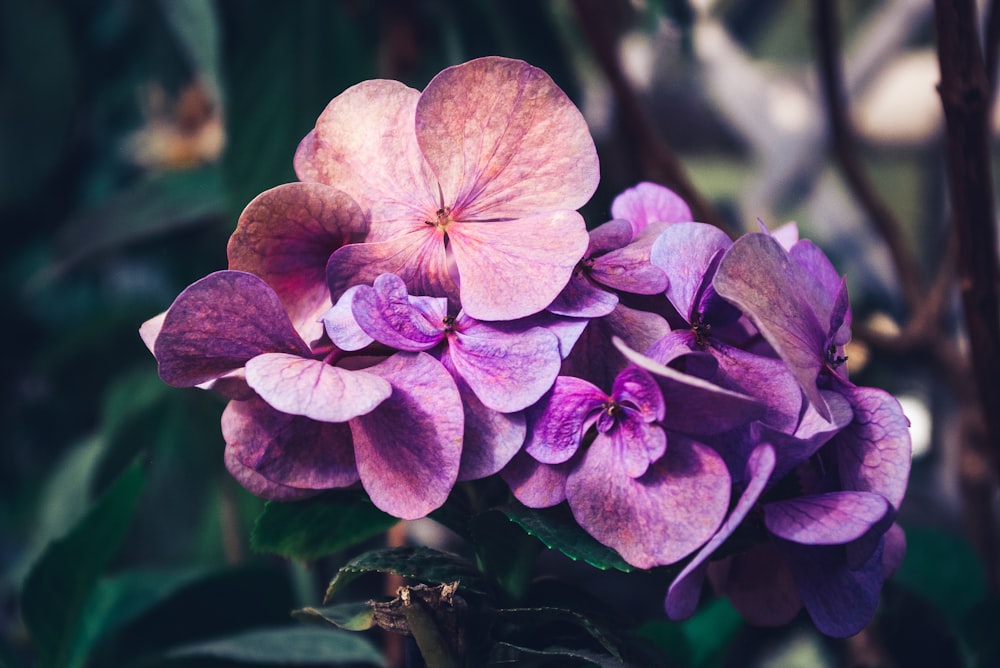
x: 582, y: 298
x: 534, y: 484
x: 260, y: 486
x: 505, y: 142
x: 364, y: 143
x: 787, y: 234
x: 834, y: 518
x: 759, y: 584
x: 287, y: 449
x: 679, y: 350
x: 694, y: 405
x: 233, y: 385
x: 684, y: 251
x: 385, y: 313
x: 557, y: 423
x: 286, y: 235
x: 628, y: 269
x: 343, y: 330
x: 648, y: 203
x: 418, y: 257
x: 217, y: 324
x: 840, y: 600
x: 507, y: 371
x: 682, y: 596
x: 567, y: 330
x: 760, y: 277
x: 659, y: 518
x: 609, y: 236
x: 150, y: 329
x: 409, y: 448
x: 512, y: 268
x: 874, y: 451
x: 313, y: 388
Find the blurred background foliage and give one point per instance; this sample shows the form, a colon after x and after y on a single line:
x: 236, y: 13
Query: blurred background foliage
x: 133, y: 132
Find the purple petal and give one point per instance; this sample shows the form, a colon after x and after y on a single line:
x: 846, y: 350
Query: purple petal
x: 684, y: 251
x: 286, y: 449
x: 418, y: 257
x: 286, y: 235
x: 765, y: 378
x: 364, y: 144
x: 260, y: 486
x: 507, y: 371
x: 650, y: 203
x: 894, y: 550
x: 409, y: 448
x: 534, y: 484
x: 834, y: 518
x: 874, y: 451
x: 313, y: 388
x: 343, y: 330
x: 217, y: 324
x: 637, y: 387
x: 505, y: 142
x: 512, y: 268
x: 812, y: 433
x: 840, y: 600
x: 637, y: 442
x: 556, y: 424
x: 628, y: 269
x: 824, y: 289
x: 659, y: 518
x: 609, y: 236
x: 679, y: 350
x: 683, y: 594
x: 582, y: 298
x: 760, y: 277
x: 759, y: 584
x: 385, y: 312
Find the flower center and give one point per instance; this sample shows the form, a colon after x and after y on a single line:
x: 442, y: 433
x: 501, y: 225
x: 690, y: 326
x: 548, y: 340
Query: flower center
x: 701, y: 330
x: 442, y: 219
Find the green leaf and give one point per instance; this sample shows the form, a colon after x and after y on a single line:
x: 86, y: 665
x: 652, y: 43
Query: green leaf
x: 505, y: 552
x: 548, y: 622
x: 347, y: 616
x: 557, y: 529
x: 590, y: 656
x: 318, y: 526
x: 698, y: 642
x: 56, y: 590
x: 416, y: 563
x: 293, y: 646
x: 944, y: 569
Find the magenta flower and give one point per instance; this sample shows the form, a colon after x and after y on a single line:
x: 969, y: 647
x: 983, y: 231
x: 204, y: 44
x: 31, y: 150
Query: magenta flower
x: 470, y: 186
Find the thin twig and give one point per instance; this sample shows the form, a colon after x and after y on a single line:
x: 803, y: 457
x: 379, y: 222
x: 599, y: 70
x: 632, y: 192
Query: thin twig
x: 659, y: 161
x: 827, y: 28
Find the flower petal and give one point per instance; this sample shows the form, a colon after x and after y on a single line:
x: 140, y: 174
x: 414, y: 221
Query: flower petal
x: 260, y: 486
x: 648, y: 203
x: 343, y: 330
x: 684, y: 252
x: 217, y: 324
x: 512, y: 268
x: 659, y: 518
x: 286, y: 235
x: 534, y: 484
x: 636, y: 387
x: 557, y: 423
x: 409, y: 448
x: 313, y: 388
x: 811, y: 434
x: 759, y: 584
x: 505, y: 141
x: 288, y: 450
x: 582, y: 298
x: 385, y: 312
x: 834, y: 518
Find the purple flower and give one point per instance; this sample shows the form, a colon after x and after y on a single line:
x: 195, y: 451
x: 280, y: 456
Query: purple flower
x: 311, y: 423
x: 648, y: 203
x: 470, y: 186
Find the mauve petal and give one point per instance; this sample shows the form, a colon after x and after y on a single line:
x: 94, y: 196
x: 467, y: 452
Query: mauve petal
x: 609, y: 236
x: 695, y: 406
x: 418, y: 257
x: 683, y: 594
x: 684, y: 251
x: 385, y: 313
x: 512, y: 268
x: 812, y: 432
x: 637, y: 443
x: 557, y: 423
x: 260, y: 486
x: 505, y: 141
x: 629, y: 270
x: 648, y: 203
x: 840, y: 600
x: 534, y: 484
x: 787, y: 234
x: 834, y: 518
x: 233, y: 385
x: 679, y: 349
x: 286, y: 235
x: 343, y: 330
x: 823, y: 288
x: 217, y: 324
x: 566, y: 329
x: 149, y: 330
x: 409, y: 448
x: 759, y: 584
x: 659, y: 518
x: 287, y: 449
x: 507, y: 371
x: 313, y: 388
x: 364, y: 144
x: 874, y: 451
x: 760, y: 277
x: 765, y: 378
x: 894, y: 549
x: 582, y: 298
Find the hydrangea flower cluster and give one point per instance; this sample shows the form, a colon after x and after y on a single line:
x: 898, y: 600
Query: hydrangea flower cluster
x: 426, y: 305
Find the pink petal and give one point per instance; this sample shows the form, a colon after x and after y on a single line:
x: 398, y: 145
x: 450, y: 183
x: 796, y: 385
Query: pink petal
x: 313, y: 388
x: 409, y: 448
x: 286, y: 235
x: 684, y: 251
x: 150, y: 329
x: 650, y: 203
x: 513, y: 268
x: 505, y: 141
